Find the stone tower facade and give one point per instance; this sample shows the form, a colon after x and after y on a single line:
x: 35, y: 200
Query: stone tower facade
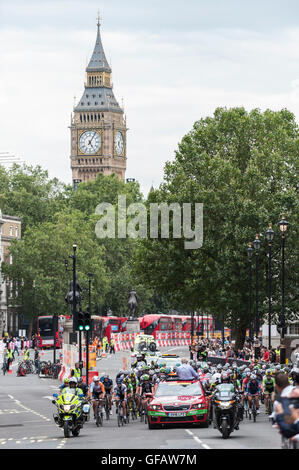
x: 98, y: 126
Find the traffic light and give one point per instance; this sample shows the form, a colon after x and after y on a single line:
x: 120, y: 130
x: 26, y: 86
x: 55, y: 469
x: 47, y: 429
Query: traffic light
x: 81, y: 321
x: 87, y: 321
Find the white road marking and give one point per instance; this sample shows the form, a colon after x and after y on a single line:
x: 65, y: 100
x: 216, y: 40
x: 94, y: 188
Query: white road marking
x: 28, y: 409
x: 205, y: 446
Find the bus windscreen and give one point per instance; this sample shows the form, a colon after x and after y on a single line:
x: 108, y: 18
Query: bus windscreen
x: 45, y: 327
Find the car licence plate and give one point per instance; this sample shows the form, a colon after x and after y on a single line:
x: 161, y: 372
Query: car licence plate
x: 176, y: 415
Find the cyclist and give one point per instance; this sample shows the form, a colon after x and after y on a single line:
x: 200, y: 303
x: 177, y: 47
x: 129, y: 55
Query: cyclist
x: 96, y: 392
x: 253, y: 391
x: 120, y: 396
x: 108, y: 385
x: 134, y: 383
x: 144, y: 387
x: 82, y: 385
x: 268, y: 388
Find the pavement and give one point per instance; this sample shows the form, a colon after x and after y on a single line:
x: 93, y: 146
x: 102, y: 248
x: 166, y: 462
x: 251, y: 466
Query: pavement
x: 26, y: 420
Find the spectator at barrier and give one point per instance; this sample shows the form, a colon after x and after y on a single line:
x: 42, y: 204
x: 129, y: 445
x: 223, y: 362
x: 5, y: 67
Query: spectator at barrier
x: 272, y: 355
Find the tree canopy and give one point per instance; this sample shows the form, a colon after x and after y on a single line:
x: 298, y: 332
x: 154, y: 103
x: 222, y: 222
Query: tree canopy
x: 243, y: 167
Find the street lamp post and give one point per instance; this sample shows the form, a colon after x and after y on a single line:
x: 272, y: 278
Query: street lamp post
x: 256, y: 245
x: 250, y: 253
x: 283, y: 225
x: 192, y: 334
x: 270, y: 237
x: 87, y: 331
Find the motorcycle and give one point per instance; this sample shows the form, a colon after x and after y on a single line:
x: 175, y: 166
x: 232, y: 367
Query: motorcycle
x: 71, y: 415
x: 225, y: 409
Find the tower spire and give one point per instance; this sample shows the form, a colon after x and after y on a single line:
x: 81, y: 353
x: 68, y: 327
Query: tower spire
x: 98, y: 18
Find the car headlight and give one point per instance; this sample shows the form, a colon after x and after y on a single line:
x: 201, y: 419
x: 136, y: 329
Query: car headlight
x: 197, y: 406
x: 155, y: 407
x: 67, y: 408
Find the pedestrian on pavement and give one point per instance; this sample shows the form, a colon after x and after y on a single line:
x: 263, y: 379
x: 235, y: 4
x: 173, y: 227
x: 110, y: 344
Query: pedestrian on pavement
x: 112, y: 348
x: 76, y: 371
x: 9, y: 354
x: 36, y: 360
x: 185, y: 371
x: 16, y: 346
x: 26, y: 354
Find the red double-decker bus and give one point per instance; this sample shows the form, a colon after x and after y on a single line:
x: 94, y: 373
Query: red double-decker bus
x: 45, y: 336
x: 152, y: 323
x: 177, y: 323
x: 113, y: 324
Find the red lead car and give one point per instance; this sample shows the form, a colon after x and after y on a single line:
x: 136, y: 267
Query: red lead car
x: 178, y: 401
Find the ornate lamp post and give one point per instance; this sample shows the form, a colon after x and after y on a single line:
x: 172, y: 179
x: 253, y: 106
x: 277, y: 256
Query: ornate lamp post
x: 283, y: 225
x: 249, y: 254
x: 256, y: 244
x: 270, y: 237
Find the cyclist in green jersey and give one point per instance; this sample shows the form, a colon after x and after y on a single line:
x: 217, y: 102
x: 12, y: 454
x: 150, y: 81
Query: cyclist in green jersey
x: 268, y: 387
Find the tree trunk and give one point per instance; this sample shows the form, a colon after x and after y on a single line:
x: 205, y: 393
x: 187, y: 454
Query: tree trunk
x: 239, y: 334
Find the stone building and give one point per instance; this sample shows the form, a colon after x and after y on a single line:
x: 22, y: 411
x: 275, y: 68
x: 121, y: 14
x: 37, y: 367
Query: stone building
x: 98, y: 126
x: 10, y: 228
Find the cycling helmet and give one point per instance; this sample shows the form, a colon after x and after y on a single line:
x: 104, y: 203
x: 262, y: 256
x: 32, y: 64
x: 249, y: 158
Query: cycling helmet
x: 152, y: 372
x: 224, y: 377
x: 253, y: 377
x: 118, y: 381
x: 145, y: 377
x: 96, y: 378
x: 162, y: 370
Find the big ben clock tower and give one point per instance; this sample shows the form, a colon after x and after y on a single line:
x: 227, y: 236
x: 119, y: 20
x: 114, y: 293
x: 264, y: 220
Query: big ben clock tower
x: 98, y: 127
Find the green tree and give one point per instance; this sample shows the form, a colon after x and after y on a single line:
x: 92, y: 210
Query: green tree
x: 243, y: 167
x: 40, y: 256
x: 29, y: 193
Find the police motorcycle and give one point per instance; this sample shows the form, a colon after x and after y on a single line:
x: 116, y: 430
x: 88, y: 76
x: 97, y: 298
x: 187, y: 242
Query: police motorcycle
x: 225, y: 409
x: 71, y: 413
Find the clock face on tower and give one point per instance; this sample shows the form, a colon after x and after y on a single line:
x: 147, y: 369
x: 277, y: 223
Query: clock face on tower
x: 119, y: 142
x: 90, y: 142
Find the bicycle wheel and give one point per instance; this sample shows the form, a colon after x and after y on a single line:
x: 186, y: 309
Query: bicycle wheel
x: 270, y: 406
x: 254, y: 411
x: 107, y: 410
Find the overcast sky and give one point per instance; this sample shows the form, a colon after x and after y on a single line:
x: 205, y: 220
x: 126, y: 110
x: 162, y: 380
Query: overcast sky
x: 173, y: 62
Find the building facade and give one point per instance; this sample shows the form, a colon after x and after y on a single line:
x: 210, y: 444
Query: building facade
x: 98, y: 125
x: 10, y: 229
